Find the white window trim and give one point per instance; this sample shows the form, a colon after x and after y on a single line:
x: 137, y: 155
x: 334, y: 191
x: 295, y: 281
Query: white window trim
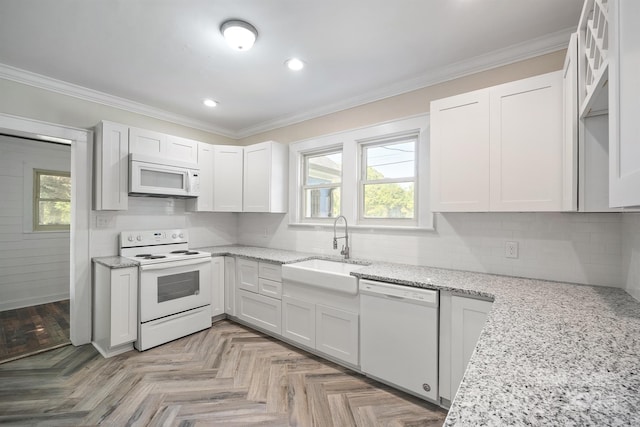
x: 301, y: 187
x: 36, y: 198
x: 349, y: 197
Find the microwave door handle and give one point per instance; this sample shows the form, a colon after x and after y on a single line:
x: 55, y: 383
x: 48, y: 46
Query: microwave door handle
x: 163, y: 265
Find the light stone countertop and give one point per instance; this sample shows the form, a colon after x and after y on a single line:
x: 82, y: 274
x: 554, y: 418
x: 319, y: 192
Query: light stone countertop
x: 116, y: 261
x: 550, y: 353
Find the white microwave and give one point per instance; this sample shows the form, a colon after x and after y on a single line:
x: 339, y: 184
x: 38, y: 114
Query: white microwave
x: 152, y: 176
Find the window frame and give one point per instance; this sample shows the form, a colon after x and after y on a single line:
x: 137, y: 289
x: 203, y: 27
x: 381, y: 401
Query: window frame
x: 37, y: 227
x: 303, y: 187
x: 349, y: 140
x: 363, y: 145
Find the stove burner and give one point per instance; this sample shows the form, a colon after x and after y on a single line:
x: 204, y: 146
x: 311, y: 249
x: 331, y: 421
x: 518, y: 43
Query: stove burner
x: 190, y: 253
x: 143, y: 255
x: 183, y: 251
x: 155, y: 256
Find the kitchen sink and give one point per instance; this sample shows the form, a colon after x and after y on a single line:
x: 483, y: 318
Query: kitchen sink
x: 332, y: 275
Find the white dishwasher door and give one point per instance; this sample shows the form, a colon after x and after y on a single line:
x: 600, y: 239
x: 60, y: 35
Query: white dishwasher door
x: 399, y: 336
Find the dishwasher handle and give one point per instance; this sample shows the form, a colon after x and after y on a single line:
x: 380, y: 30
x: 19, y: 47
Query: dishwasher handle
x: 399, y: 292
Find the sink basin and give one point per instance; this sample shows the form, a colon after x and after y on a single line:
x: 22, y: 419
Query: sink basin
x: 332, y: 275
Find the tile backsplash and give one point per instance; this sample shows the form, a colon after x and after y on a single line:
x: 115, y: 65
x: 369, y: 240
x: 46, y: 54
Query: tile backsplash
x: 581, y: 248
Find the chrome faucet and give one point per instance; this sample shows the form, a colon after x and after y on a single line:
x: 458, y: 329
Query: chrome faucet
x: 345, y: 247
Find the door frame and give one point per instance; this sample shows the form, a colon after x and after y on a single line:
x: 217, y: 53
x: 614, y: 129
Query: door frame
x: 80, y: 233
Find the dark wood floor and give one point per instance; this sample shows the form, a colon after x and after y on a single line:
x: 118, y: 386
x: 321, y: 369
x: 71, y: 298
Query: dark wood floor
x: 227, y: 375
x: 30, y: 330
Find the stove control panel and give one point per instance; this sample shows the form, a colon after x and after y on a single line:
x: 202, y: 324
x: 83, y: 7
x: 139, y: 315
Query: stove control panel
x: 153, y: 237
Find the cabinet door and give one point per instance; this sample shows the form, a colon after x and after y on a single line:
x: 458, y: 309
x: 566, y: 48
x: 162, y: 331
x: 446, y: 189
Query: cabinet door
x: 624, y: 105
x: 204, y: 202
x: 247, y: 274
x: 227, y: 178
x: 526, y: 144
x: 468, y: 317
x: 570, y: 126
x: 260, y: 311
x: 337, y: 333
x: 181, y: 149
x: 257, y: 178
x: 111, y: 166
x: 124, y: 305
x: 217, y: 285
x: 460, y: 153
x: 299, y: 321
x: 142, y: 141
x: 230, y: 285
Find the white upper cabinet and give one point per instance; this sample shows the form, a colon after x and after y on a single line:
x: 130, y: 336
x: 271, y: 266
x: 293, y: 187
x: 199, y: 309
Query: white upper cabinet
x: 527, y: 149
x: 624, y: 107
x: 227, y: 178
x: 160, y: 145
x: 111, y: 180
x: 204, y: 201
x: 465, y: 186
x: 265, y: 177
x: 501, y: 148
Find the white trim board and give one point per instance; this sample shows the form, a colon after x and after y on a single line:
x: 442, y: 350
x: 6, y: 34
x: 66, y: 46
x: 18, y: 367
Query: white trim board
x: 518, y: 52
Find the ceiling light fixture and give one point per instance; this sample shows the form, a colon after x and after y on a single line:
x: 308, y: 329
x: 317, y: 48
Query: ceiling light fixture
x: 240, y: 35
x: 294, y: 64
x: 209, y: 102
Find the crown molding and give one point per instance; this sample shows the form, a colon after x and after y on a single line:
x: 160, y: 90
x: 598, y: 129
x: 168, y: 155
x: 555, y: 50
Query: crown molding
x: 514, y: 53
x: 65, y: 88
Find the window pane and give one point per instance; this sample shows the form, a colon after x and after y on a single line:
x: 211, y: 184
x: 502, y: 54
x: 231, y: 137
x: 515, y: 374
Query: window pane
x: 54, y: 213
x: 322, y: 202
x: 389, y: 200
x: 391, y: 160
x: 55, y: 187
x: 324, y: 169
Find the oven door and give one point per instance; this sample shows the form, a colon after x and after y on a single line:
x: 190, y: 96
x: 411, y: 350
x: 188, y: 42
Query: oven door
x: 172, y: 287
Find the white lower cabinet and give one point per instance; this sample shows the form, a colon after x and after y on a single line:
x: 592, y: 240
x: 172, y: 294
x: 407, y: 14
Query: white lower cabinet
x: 217, y: 286
x: 247, y: 274
x: 461, y: 322
x: 115, y: 309
x: 230, y: 285
x: 259, y: 310
x: 337, y: 333
x: 299, y: 321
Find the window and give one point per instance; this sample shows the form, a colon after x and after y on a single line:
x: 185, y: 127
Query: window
x: 376, y: 176
x: 321, y: 186
x: 51, y: 200
x: 388, y: 181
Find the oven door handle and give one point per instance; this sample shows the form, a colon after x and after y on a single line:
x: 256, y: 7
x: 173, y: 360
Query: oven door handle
x: 164, y: 265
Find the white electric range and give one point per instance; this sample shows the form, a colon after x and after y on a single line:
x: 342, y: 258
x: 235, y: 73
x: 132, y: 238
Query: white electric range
x: 174, y: 291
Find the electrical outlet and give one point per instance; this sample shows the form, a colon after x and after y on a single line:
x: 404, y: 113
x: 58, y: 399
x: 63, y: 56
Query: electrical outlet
x: 266, y: 233
x: 511, y: 249
x: 102, y: 221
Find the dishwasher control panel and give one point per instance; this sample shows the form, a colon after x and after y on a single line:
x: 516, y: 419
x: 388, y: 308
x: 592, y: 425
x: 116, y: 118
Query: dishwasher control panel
x: 426, y: 296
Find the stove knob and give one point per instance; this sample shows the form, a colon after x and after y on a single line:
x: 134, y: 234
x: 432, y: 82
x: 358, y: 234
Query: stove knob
x: 139, y: 238
x: 174, y: 235
x: 130, y: 238
x: 181, y: 235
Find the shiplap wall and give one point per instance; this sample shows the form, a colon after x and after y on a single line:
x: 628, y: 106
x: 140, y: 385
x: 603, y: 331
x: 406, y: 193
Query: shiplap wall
x: 34, y: 267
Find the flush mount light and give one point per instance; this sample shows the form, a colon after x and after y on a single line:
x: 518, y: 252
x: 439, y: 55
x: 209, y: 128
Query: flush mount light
x: 240, y: 35
x: 294, y: 64
x: 209, y: 102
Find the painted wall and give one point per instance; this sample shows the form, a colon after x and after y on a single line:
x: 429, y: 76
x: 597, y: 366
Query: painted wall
x: 34, y: 266
x: 631, y: 252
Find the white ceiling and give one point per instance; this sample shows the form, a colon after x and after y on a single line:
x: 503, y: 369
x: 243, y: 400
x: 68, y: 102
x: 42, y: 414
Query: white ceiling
x: 168, y: 55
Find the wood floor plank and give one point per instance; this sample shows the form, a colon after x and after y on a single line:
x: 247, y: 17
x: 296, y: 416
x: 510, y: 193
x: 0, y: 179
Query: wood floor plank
x: 227, y: 375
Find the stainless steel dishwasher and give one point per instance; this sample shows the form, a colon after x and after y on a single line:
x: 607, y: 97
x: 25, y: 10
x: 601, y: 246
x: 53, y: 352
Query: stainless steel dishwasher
x: 399, y: 336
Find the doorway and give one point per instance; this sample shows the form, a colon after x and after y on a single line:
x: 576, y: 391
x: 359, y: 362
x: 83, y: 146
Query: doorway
x: 80, y: 254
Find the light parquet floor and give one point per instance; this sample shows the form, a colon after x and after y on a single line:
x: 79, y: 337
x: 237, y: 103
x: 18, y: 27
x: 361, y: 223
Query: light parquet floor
x: 228, y: 375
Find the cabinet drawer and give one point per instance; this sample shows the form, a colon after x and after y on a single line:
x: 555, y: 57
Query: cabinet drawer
x: 270, y: 288
x: 270, y: 271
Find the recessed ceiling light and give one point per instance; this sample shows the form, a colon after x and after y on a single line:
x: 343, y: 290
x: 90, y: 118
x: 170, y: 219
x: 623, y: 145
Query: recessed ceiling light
x: 240, y: 35
x: 294, y: 64
x: 209, y: 102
